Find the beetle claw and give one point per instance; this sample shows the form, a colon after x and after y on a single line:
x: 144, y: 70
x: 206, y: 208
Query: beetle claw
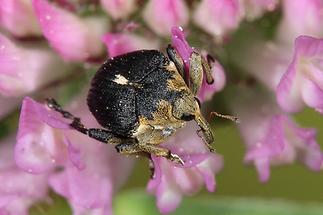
x: 176, y: 158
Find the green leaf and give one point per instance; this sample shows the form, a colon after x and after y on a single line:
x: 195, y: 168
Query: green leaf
x: 138, y: 202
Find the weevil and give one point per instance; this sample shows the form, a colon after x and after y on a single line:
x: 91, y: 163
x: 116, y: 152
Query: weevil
x: 141, y: 98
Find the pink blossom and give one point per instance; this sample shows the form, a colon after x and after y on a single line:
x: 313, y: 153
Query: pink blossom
x: 268, y: 65
x: 19, y: 190
x: 302, y: 83
x: 272, y: 138
x: 218, y: 17
x: 18, y: 18
x: 162, y: 15
x: 39, y: 146
x: 171, y: 181
x: 121, y: 43
x: 119, y: 9
x: 88, y: 176
x: 185, y: 51
x: 207, y: 90
x: 23, y: 70
x: 75, y: 39
x: 256, y: 8
x: 301, y: 17
x: 181, y: 45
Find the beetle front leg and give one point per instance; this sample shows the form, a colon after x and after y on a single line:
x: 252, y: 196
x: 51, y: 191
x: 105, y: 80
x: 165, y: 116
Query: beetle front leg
x: 207, y: 134
x: 134, y: 149
x: 161, y: 152
x: 174, y: 57
x: 195, y: 72
x: 207, y: 66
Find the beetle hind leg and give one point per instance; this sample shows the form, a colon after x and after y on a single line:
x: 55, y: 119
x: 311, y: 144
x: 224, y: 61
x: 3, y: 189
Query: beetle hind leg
x: 101, y: 135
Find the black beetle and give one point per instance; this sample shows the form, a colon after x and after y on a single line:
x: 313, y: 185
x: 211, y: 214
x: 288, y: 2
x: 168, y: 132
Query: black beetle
x: 141, y: 98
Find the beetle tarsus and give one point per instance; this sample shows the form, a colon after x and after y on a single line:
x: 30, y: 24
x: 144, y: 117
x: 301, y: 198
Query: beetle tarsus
x: 95, y: 133
x: 175, y: 158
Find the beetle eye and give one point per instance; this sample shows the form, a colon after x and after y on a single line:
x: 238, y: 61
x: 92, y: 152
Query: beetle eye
x: 187, y: 117
x: 198, y: 102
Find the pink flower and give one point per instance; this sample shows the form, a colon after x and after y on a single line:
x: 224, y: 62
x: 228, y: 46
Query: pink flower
x: 89, y: 171
x: 75, y: 39
x: 267, y: 66
x: 218, y: 17
x: 302, y: 83
x: 119, y: 9
x: 301, y: 17
x: 171, y: 181
x: 19, y: 190
x: 23, y: 70
x: 162, y: 15
x: 121, y: 43
x: 272, y: 138
x: 185, y: 51
x: 256, y: 8
x: 207, y: 90
x: 18, y: 18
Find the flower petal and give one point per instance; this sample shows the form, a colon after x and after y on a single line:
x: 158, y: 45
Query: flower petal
x: 301, y: 17
x: 73, y: 38
x: 162, y: 15
x: 39, y: 148
x: 207, y: 90
x: 118, y: 9
x: 23, y: 70
x: 121, y: 43
x: 91, y: 188
x: 18, y: 18
x: 15, y: 196
x: 272, y: 138
x: 181, y: 45
x: 303, y: 81
x: 218, y: 17
x: 312, y: 94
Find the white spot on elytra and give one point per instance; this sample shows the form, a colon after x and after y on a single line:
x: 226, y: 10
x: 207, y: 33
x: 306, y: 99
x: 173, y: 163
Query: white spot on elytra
x: 120, y: 80
x: 48, y: 17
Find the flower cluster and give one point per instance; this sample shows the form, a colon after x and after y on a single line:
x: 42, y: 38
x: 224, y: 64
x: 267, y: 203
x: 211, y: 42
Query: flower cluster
x: 42, y: 42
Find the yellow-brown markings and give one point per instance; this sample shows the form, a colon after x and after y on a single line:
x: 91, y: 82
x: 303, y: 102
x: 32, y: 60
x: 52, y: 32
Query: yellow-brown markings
x: 151, y: 131
x: 177, y: 83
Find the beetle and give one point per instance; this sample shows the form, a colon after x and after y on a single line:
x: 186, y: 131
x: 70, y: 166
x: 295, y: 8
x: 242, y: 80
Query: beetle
x: 141, y: 98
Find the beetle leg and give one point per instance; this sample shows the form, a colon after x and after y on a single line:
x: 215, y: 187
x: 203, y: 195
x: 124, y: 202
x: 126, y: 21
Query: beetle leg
x: 207, y: 65
x: 174, y: 57
x: 52, y: 104
x: 161, y: 152
x: 195, y: 72
x: 101, y: 135
x: 134, y: 149
x: 207, y: 134
x: 128, y: 148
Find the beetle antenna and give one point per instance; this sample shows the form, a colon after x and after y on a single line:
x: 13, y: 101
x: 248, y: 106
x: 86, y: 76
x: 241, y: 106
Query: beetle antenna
x: 229, y: 117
